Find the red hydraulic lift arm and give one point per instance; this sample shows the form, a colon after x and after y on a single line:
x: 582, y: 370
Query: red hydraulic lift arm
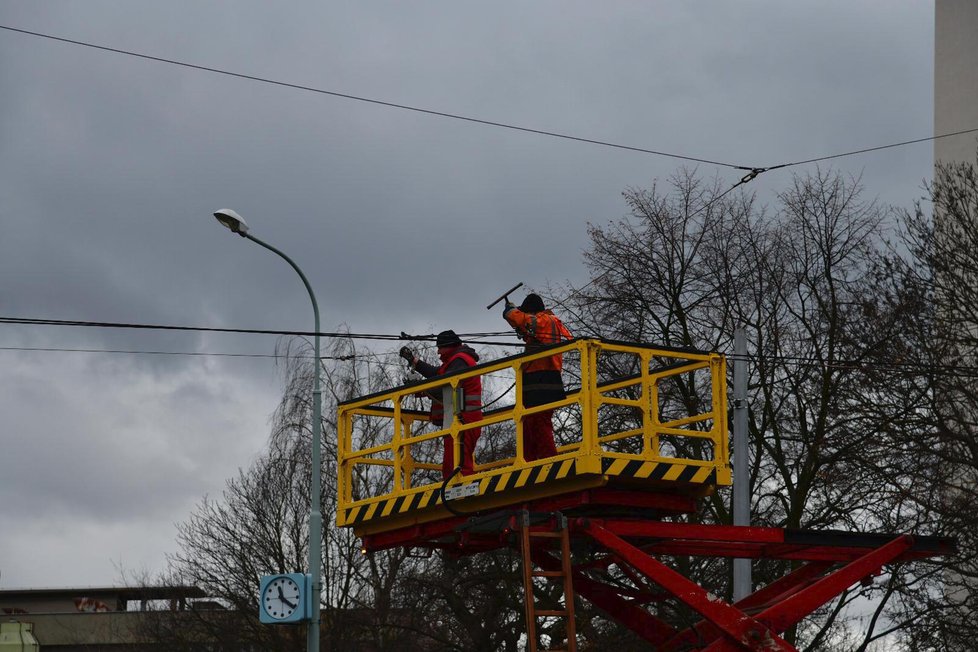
x: 793, y: 609
x: 760, y: 599
x: 744, y: 632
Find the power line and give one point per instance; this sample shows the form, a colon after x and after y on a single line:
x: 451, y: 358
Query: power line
x: 393, y: 105
x: 29, y: 321
x: 964, y: 371
x: 747, y: 178
x: 873, y: 149
x: 185, y: 353
x: 753, y: 170
x: 128, y: 325
x: 756, y: 172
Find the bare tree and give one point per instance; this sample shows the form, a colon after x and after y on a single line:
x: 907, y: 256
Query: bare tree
x: 686, y: 267
x: 936, y: 260
x: 386, y: 600
x: 259, y: 526
x: 846, y: 430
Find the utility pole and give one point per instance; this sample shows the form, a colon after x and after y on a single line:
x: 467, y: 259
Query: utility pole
x: 741, y: 456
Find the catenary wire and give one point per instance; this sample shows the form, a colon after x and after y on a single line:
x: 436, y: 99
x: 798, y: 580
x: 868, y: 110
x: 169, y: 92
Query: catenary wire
x: 747, y: 178
x: 964, y: 371
x: 752, y: 169
x: 47, y: 349
x: 30, y: 321
x: 873, y: 149
x: 393, y: 105
x: 854, y: 365
x: 753, y: 172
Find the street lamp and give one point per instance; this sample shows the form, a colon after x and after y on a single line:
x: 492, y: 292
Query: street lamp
x: 236, y: 224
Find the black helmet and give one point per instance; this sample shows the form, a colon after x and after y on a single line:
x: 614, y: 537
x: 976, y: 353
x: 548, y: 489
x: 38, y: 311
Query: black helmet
x: 532, y: 303
x: 448, y: 338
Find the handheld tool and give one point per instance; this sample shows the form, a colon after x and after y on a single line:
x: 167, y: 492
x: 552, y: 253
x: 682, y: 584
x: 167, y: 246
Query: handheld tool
x: 505, y: 295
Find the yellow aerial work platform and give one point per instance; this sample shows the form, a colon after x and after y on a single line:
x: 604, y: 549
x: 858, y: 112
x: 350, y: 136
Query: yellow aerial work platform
x: 637, y: 418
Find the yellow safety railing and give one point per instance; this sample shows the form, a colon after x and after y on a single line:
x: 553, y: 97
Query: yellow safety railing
x: 640, y: 411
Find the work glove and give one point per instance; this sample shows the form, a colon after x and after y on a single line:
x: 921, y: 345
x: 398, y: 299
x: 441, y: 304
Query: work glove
x: 408, y: 355
x: 507, y: 306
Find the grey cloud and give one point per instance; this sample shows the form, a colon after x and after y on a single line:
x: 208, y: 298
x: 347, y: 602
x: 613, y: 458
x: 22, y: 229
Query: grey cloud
x: 110, y: 167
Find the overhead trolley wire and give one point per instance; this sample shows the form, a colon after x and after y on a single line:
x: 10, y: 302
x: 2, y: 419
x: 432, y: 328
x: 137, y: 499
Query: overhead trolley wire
x: 250, y: 331
x: 753, y: 171
x: 747, y: 178
x: 756, y: 172
x: 962, y: 371
x: 393, y: 105
x: 873, y: 149
x: 29, y: 321
x: 46, y: 349
x: 852, y: 365
x: 958, y: 371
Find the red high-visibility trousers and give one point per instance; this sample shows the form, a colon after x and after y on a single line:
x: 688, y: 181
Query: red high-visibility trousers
x: 538, y: 436
x: 469, y: 439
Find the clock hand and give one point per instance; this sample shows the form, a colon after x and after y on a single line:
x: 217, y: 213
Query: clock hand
x: 281, y: 596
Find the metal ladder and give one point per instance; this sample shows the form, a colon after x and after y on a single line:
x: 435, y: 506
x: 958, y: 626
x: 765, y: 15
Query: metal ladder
x: 559, y: 531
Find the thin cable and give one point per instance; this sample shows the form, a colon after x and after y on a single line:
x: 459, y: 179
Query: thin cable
x: 134, y: 352
x: 251, y: 331
x: 872, y: 149
x: 407, y: 336
x: 29, y: 321
x: 747, y: 178
x: 186, y: 353
x: 368, y: 100
x: 490, y: 123
x: 499, y: 398
x: 842, y: 364
x: 962, y: 371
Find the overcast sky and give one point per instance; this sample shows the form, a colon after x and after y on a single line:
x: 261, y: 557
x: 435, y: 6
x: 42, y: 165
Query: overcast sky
x: 110, y: 168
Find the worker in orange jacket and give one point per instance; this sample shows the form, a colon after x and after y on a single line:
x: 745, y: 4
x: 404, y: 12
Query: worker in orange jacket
x: 542, y: 382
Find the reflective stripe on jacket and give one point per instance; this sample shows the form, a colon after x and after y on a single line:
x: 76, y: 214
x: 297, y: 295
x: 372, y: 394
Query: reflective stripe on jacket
x: 471, y: 393
x: 539, y: 329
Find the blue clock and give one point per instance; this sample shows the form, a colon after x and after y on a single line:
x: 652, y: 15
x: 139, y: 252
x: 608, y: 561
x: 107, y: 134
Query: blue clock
x: 284, y: 598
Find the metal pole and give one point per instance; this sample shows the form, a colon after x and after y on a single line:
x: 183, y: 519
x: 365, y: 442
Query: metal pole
x: 741, y: 453
x: 315, y: 488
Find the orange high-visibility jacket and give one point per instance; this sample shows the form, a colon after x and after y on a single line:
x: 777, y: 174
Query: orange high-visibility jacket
x: 539, y: 329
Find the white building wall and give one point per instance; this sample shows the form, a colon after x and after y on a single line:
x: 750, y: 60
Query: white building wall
x: 955, y: 78
x: 956, y: 109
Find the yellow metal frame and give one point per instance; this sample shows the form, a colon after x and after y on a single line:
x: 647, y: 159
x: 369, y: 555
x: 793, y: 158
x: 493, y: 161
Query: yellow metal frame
x: 581, y: 464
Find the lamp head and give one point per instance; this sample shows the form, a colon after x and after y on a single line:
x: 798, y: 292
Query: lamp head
x: 232, y: 220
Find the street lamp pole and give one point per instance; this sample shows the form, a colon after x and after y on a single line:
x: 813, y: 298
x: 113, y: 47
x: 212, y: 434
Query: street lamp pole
x: 236, y: 224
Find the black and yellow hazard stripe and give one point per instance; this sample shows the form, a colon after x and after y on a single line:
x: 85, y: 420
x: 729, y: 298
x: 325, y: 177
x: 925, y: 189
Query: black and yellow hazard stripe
x: 494, y: 484
x: 664, y: 471
x: 392, y: 506
x: 520, y: 478
x: 505, y: 481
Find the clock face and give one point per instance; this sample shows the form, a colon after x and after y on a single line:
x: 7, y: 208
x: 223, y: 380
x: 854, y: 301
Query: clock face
x: 281, y: 597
